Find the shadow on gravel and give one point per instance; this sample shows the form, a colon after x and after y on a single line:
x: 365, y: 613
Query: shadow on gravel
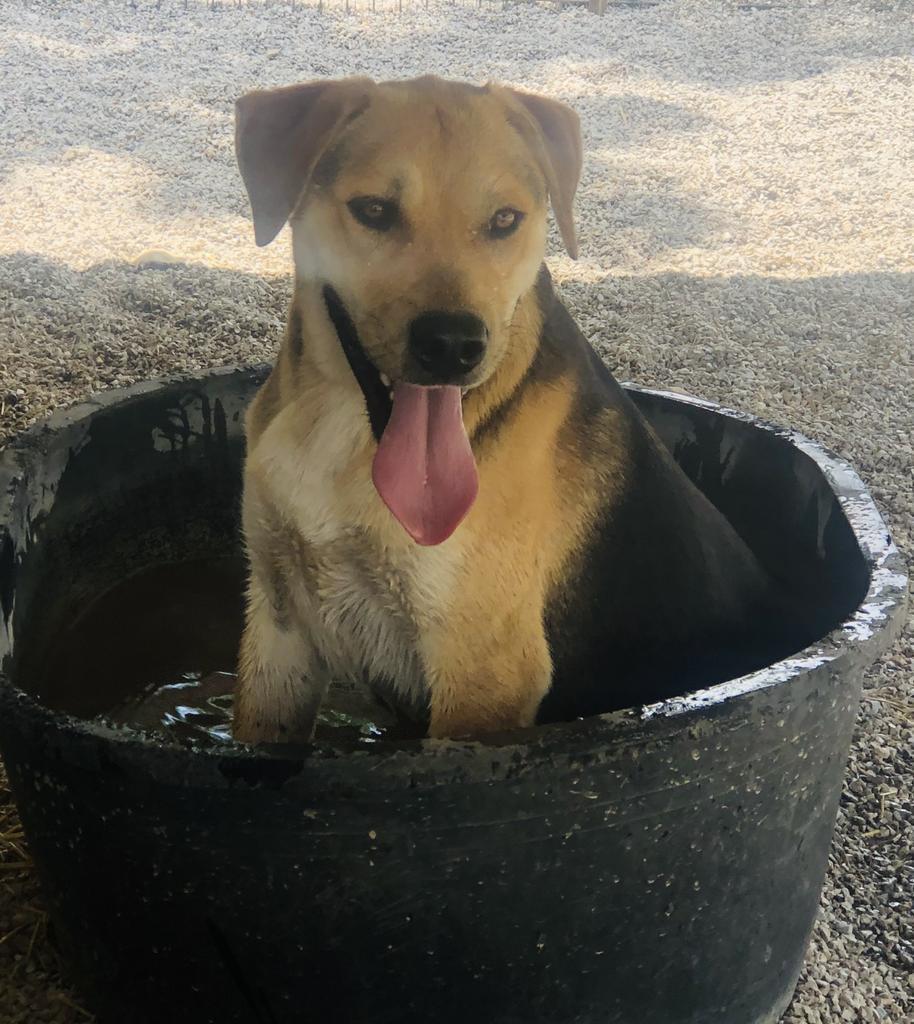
x: 830, y: 354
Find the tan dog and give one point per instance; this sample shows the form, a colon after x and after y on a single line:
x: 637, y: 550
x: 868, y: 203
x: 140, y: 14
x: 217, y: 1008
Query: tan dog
x: 445, y: 491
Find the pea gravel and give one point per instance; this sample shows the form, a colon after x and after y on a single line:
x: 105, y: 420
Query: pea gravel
x: 747, y: 234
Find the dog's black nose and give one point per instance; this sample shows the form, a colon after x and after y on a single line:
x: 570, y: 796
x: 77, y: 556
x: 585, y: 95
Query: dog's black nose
x: 446, y: 346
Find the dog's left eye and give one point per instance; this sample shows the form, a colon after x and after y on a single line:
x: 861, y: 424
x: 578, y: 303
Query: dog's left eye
x: 505, y: 222
x: 374, y: 212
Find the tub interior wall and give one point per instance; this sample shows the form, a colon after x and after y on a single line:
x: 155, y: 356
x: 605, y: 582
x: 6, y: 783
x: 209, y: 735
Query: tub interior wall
x: 160, y: 482
x: 156, y: 482
x: 777, y: 499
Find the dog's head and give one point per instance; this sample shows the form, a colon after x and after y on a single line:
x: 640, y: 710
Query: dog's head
x: 420, y: 209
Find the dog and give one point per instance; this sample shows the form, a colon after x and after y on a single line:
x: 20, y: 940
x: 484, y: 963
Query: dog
x: 446, y: 493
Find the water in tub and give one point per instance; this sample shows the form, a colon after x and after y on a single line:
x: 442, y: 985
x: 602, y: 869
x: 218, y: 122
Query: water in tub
x: 157, y: 652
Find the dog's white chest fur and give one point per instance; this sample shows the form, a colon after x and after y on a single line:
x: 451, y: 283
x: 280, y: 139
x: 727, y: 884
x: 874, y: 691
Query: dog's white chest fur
x: 368, y: 595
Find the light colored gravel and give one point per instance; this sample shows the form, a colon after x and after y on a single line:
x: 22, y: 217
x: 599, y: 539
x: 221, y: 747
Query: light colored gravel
x: 747, y: 230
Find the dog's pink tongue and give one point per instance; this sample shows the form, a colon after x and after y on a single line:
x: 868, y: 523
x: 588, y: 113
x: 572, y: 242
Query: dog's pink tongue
x: 424, y: 468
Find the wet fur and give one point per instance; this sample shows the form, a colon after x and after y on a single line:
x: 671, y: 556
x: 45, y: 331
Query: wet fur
x: 589, y: 574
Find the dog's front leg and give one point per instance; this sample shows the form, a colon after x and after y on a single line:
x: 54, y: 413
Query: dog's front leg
x: 281, y: 678
x: 495, y: 683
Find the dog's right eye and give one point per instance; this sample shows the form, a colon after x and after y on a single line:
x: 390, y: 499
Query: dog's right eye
x: 374, y: 212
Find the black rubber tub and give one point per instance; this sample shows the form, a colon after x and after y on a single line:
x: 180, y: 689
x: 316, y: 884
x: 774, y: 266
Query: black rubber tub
x: 660, y: 865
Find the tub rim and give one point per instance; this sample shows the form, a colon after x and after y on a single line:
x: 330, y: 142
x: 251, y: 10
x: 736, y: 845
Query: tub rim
x: 872, y: 627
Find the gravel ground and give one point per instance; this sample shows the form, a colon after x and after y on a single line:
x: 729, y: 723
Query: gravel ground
x: 747, y: 230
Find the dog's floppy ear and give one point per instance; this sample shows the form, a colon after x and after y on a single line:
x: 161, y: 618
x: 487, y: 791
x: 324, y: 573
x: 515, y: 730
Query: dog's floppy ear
x: 280, y: 134
x: 556, y: 141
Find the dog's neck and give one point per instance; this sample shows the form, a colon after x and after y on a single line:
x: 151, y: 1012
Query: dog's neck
x: 311, y: 343
x: 525, y: 331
